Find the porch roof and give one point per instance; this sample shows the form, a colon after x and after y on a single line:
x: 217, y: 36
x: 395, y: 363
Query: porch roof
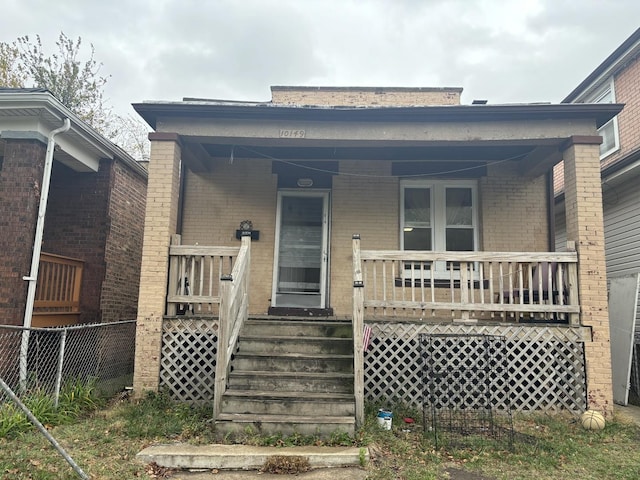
x: 531, y: 134
x: 152, y: 111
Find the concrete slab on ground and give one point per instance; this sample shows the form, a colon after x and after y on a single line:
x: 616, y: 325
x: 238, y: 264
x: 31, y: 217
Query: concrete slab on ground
x: 244, y: 457
x: 629, y: 413
x: 345, y: 473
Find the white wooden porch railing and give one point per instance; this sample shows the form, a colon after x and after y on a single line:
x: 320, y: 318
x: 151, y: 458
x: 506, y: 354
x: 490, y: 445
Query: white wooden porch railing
x: 234, y: 307
x: 205, y: 281
x: 194, y: 277
x: 476, y: 286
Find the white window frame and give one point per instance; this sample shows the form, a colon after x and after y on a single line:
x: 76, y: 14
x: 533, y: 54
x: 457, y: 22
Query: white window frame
x: 596, y: 97
x: 438, y: 219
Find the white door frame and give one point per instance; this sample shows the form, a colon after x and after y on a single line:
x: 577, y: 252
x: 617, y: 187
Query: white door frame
x: 324, y: 265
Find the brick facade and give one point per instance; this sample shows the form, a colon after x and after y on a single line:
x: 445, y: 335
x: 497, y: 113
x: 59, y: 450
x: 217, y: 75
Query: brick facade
x: 95, y: 217
x: 98, y: 218
x: 508, y: 203
x: 20, y: 178
x: 365, y: 96
x: 627, y: 91
x: 123, y: 249
x: 583, y: 200
x: 77, y: 226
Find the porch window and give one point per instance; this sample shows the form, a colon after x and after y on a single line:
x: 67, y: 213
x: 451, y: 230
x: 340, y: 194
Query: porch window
x: 609, y: 131
x: 438, y: 216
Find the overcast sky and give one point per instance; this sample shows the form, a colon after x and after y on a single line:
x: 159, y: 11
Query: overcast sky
x: 503, y: 51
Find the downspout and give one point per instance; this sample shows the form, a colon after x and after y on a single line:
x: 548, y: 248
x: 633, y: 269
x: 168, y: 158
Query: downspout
x: 37, y: 248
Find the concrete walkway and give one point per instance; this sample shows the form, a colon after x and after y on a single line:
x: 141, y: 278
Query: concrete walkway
x: 244, y: 461
x: 215, y: 462
x: 347, y: 473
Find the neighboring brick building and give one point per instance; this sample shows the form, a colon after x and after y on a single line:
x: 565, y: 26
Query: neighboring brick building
x: 615, y: 80
x: 406, y: 169
x: 94, y: 214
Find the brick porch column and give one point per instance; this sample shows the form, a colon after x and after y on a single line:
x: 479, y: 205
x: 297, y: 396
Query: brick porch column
x: 160, y: 223
x: 583, y: 200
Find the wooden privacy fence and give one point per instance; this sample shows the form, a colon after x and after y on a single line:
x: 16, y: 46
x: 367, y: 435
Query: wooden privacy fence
x: 57, y: 300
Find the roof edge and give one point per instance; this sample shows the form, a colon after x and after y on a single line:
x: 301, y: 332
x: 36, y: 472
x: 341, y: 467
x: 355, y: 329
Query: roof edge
x: 629, y: 48
x: 41, y: 98
x: 601, y: 112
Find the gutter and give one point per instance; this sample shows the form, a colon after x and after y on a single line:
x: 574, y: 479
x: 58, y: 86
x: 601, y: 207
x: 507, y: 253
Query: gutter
x: 37, y: 248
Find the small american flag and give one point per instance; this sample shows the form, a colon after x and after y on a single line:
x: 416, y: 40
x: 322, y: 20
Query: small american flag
x: 366, y: 337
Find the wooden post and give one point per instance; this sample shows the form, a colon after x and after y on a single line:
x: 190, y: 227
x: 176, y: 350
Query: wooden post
x: 220, y: 386
x: 572, y: 274
x: 174, y: 273
x: 358, y: 327
x: 464, y: 291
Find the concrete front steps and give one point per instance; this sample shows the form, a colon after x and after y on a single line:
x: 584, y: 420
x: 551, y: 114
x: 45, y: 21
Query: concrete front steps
x: 291, y: 376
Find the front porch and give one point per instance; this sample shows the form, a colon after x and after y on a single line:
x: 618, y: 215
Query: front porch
x: 397, y: 295
x: 454, y: 205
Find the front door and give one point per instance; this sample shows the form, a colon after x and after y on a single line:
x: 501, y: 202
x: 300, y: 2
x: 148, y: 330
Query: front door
x: 301, y: 253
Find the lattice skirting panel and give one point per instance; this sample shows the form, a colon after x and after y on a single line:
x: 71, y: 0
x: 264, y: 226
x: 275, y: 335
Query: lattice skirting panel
x: 545, y: 365
x: 188, y: 364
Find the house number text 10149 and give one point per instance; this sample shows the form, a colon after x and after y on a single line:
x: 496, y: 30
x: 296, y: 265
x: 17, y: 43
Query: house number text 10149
x: 289, y: 133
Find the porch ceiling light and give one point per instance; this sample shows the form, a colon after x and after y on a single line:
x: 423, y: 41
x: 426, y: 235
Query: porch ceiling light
x: 305, y: 182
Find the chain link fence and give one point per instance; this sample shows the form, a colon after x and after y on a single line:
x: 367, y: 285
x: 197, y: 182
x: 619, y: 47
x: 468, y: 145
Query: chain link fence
x: 46, y: 359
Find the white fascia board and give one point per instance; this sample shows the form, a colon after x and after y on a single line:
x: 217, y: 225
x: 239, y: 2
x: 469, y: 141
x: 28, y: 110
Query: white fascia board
x: 624, y: 173
x: 71, y: 142
x: 85, y: 157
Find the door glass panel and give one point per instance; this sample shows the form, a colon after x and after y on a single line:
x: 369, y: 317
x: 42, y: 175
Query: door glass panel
x: 417, y: 238
x: 417, y: 207
x: 300, y: 251
x: 459, y: 239
x: 459, y: 206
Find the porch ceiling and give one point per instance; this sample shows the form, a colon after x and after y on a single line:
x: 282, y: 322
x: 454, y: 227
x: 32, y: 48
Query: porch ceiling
x: 534, y: 156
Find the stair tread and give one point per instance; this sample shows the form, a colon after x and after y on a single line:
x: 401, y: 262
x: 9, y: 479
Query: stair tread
x: 290, y: 395
x: 297, y: 321
x: 321, y: 356
x: 248, y: 336
x: 270, y: 418
x: 267, y: 373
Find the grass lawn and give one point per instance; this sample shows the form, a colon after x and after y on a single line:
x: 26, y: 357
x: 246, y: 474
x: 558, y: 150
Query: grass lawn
x: 105, y: 443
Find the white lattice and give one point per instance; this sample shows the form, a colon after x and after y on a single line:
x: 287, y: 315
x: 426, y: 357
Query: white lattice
x: 545, y: 365
x: 188, y: 363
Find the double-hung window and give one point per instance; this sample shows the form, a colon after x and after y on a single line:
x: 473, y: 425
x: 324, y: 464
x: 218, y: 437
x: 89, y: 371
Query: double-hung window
x: 439, y: 215
x: 608, y: 131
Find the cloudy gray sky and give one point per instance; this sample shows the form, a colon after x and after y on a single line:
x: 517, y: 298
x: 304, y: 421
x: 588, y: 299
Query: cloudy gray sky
x: 500, y: 50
